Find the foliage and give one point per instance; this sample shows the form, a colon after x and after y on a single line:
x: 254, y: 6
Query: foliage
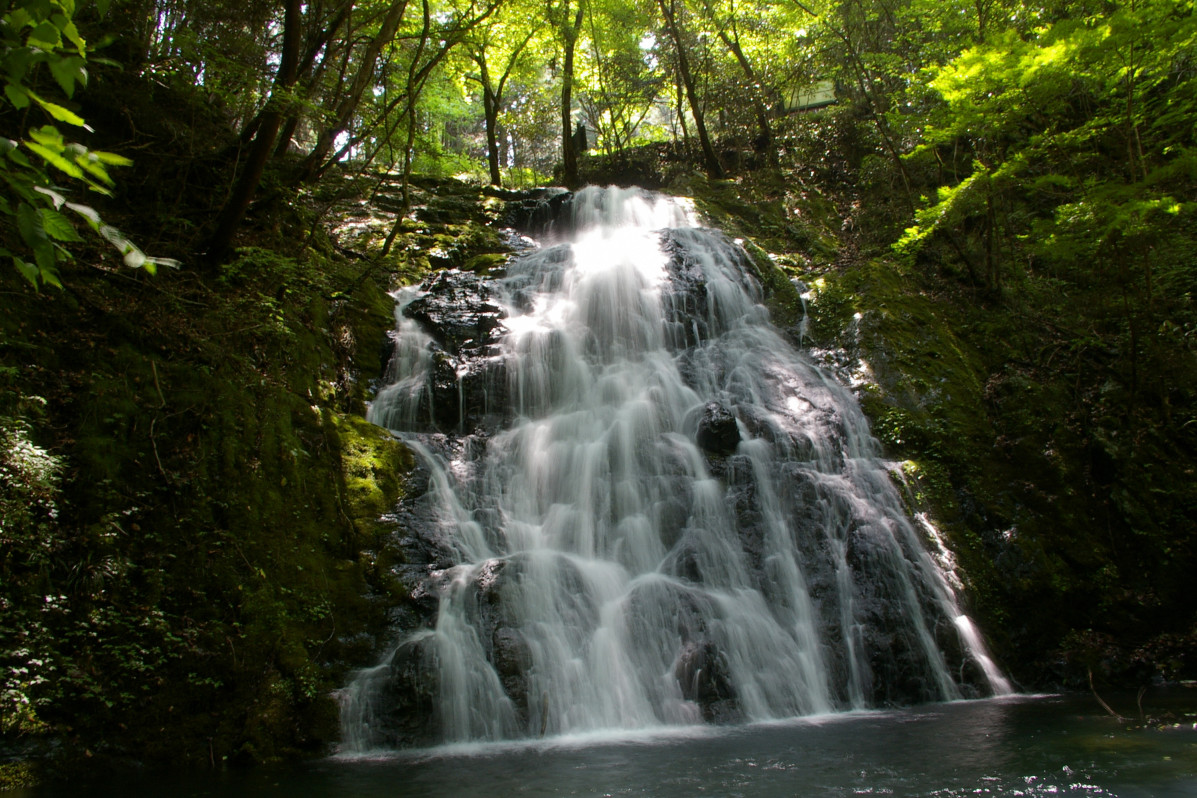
x: 190, y: 534
x: 37, y: 33
x: 29, y: 478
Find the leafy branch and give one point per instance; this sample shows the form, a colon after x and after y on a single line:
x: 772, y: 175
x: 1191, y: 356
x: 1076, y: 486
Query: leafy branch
x: 34, y: 33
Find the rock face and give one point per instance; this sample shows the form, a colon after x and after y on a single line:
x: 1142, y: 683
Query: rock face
x: 701, y: 672
x: 457, y: 311
x: 718, y: 432
x: 536, y: 210
x: 468, y: 384
x: 698, y: 299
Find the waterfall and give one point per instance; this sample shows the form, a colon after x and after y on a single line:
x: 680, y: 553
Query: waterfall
x: 640, y: 505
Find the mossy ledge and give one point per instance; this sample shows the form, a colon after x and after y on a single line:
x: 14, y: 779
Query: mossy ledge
x: 202, y: 558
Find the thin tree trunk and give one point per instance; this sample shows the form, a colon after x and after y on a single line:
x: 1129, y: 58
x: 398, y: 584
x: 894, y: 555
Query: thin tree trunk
x: 310, y: 72
x: 714, y: 168
x: 492, y: 102
x: 569, y: 156
x: 860, y: 73
x: 353, y: 96
x: 732, y: 42
x: 680, y: 96
x: 415, y: 84
x: 449, y: 38
x: 490, y: 108
x: 259, y: 153
x: 765, y: 136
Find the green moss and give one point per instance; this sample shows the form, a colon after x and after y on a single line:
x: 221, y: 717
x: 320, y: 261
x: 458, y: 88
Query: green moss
x: 483, y: 264
x: 15, y: 775
x: 373, y: 465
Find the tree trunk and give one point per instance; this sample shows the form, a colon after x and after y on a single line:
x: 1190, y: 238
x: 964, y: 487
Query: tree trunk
x: 714, y: 168
x: 352, y: 98
x: 492, y: 102
x: 680, y: 97
x: 415, y: 84
x: 490, y: 109
x: 310, y: 72
x: 765, y: 136
x: 259, y: 151
x: 569, y: 156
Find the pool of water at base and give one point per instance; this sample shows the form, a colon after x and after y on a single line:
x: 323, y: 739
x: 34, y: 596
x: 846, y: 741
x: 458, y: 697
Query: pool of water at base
x: 1018, y: 746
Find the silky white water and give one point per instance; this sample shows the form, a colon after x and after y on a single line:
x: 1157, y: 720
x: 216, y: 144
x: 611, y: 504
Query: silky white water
x: 598, y: 568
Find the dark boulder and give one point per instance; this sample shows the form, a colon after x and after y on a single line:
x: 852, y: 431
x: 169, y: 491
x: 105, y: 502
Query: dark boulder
x: 467, y: 380
x: 457, y: 309
x: 534, y: 211
x: 406, y: 715
x: 701, y: 673
x: 512, y: 658
x: 718, y: 432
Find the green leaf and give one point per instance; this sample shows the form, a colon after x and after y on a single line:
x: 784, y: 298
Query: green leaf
x: 29, y: 223
x: 45, y: 256
x: 27, y: 270
x: 19, y: 18
x: 48, y: 135
x: 111, y: 158
x: 72, y: 33
x: 56, y: 160
x: 91, y: 164
x: 18, y: 157
x: 58, y: 226
x: 58, y: 112
x: 68, y: 72
x: 17, y: 95
x: 51, y: 276
x: 46, y: 35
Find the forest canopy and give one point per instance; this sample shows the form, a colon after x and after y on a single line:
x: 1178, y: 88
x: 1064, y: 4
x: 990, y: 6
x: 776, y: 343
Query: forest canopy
x: 993, y: 96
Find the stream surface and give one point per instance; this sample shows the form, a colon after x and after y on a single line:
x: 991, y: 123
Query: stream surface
x: 1013, y: 746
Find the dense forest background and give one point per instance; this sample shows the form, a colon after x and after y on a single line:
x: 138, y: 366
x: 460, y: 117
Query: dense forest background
x: 989, y: 206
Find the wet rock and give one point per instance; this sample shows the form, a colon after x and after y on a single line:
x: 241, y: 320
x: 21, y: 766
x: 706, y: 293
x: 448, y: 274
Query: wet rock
x: 458, y: 311
x: 659, y: 605
x: 534, y: 211
x: 701, y: 673
x: 684, y: 561
x: 691, y: 309
x: 512, y: 657
x: 718, y: 432
x: 406, y: 711
x: 669, y: 516
x: 684, y: 295
x: 468, y: 380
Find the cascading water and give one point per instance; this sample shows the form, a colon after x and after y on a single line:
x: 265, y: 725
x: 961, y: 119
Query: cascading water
x: 644, y: 506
